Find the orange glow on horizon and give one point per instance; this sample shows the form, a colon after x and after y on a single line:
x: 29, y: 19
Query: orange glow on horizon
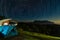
x: 56, y: 21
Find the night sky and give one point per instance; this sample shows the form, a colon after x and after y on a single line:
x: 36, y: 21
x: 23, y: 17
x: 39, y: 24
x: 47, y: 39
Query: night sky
x: 30, y: 9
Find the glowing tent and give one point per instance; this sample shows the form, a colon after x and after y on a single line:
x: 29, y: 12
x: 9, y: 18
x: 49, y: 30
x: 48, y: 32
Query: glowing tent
x: 7, y: 29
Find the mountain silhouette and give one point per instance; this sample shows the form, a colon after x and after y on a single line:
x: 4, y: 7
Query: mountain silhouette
x: 43, y: 22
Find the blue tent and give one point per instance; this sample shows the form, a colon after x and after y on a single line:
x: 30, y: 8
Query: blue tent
x: 8, y: 30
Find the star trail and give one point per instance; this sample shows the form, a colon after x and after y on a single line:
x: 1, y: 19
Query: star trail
x: 30, y: 9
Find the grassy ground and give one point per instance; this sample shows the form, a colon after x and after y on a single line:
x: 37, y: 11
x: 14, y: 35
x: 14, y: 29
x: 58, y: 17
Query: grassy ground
x: 38, y: 36
x: 26, y: 35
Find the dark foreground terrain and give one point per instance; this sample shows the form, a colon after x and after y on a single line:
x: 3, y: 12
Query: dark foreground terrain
x: 44, y: 27
x: 37, y: 30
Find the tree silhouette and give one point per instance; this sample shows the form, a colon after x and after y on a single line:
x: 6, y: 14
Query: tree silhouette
x: 2, y: 17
